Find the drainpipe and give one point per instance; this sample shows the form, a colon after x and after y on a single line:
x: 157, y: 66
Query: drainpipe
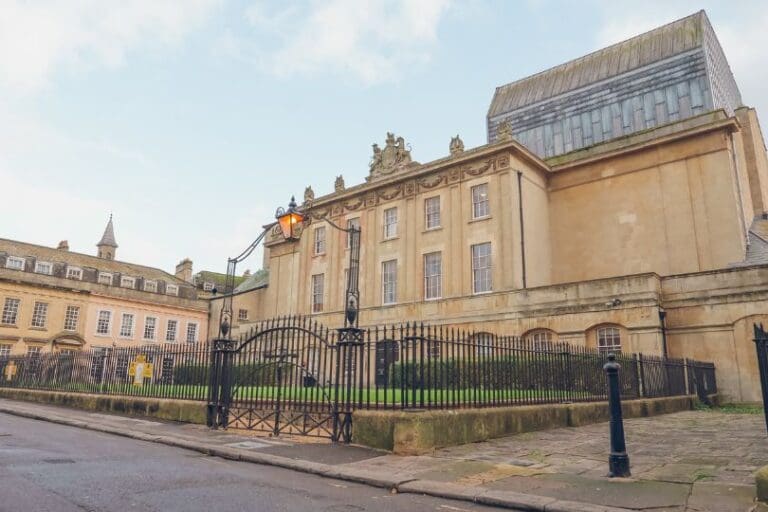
x: 522, y: 225
x: 663, y: 321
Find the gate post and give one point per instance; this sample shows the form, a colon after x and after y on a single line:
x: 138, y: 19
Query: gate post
x: 761, y: 345
x: 350, y: 338
x: 220, y: 389
x: 618, y: 461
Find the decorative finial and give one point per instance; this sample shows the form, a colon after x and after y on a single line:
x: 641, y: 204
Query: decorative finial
x: 309, y: 195
x: 457, y: 145
x: 503, y: 132
x: 338, y: 185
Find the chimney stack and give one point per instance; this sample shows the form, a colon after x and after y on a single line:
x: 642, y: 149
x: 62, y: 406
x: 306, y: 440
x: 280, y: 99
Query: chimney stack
x: 184, y: 270
x: 63, y: 246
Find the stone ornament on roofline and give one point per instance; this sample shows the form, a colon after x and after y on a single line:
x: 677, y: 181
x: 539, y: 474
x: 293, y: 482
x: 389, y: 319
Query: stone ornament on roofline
x: 503, y: 132
x: 394, y: 157
x: 457, y: 145
x: 338, y: 185
x: 309, y: 194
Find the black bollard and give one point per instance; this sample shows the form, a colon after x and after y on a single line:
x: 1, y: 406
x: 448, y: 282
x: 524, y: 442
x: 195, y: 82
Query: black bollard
x: 618, y: 462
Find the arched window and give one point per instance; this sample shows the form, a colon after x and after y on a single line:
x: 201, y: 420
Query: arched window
x: 541, y: 339
x: 608, y: 339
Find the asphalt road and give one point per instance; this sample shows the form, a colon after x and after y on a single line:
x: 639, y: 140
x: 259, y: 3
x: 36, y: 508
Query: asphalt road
x: 49, y: 467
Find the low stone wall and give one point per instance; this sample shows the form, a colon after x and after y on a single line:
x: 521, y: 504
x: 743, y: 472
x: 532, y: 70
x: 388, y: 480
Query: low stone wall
x: 416, y: 432
x: 175, y: 410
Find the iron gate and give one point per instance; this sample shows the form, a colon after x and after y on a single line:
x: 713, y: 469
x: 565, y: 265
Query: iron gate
x: 761, y: 342
x: 289, y: 375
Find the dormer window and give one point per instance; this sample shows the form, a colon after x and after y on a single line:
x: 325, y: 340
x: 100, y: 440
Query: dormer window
x: 171, y: 289
x: 74, y: 273
x: 150, y: 286
x: 44, y: 267
x: 105, y: 278
x: 15, y: 263
x: 127, y: 282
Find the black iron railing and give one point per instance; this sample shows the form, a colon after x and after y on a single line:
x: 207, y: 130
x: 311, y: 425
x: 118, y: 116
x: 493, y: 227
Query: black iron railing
x: 160, y: 371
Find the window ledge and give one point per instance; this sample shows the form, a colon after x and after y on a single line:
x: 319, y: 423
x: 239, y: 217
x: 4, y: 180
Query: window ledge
x: 9, y: 326
x: 31, y: 328
x: 107, y: 335
x: 482, y: 293
x: 480, y: 219
x: 430, y: 230
x: 397, y: 237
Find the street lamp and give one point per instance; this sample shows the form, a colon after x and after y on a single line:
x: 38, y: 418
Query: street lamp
x: 289, y: 220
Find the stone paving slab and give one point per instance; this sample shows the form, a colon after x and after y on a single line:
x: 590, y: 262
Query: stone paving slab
x: 684, y: 462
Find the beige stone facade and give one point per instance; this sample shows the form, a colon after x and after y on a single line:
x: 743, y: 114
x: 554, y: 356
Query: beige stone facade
x: 54, y: 300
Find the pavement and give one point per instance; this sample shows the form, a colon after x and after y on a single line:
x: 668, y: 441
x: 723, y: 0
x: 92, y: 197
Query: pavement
x: 684, y: 462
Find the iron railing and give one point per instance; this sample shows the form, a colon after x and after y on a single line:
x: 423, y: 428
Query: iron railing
x: 163, y: 371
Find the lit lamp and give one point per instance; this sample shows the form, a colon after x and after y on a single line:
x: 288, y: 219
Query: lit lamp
x: 290, y: 220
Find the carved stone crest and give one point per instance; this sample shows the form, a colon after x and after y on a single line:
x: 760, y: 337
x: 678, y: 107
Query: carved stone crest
x: 503, y: 132
x: 457, y: 145
x: 393, y: 157
x: 338, y: 185
x: 309, y: 195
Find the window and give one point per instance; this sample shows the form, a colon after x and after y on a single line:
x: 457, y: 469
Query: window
x: 166, y: 371
x: 191, y: 332
x: 480, y: 201
x: 390, y: 223
x: 15, y: 263
x: 5, y: 351
x: 33, y: 351
x: 44, y: 267
x: 126, y: 325
x: 433, y: 275
x: 242, y: 315
x: 74, y: 273
x: 171, y: 289
x: 103, y: 322
x: 207, y: 287
x: 121, y: 368
x: 127, y: 282
x: 389, y: 282
x: 432, y: 212
x: 150, y: 286
x: 39, y: 314
x: 352, y: 223
x: 481, y: 268
x: 11, y: 311
x: 71, y: 317
x: 320, y: 240
x: 318, y: 283
x: 609, y: 340
x: 170, y: 330
x: 105, y: 278
x: 150, y: 326
x: 540, y: 339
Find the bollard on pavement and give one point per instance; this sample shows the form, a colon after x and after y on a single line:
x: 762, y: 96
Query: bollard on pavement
x: 618, y: 461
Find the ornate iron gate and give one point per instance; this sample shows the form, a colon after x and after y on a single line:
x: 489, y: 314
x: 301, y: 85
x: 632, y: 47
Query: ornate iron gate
x: 761, y: 342
x: 286, y: 376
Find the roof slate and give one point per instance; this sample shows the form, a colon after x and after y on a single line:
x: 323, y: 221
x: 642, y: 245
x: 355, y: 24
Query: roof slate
x: 108, y: 238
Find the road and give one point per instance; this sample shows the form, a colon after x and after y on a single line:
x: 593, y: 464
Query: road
x: 49, y: 467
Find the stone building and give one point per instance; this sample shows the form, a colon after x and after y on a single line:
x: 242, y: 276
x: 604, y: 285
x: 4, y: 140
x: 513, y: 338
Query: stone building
x: 619, y: 203
x: 57, y: 300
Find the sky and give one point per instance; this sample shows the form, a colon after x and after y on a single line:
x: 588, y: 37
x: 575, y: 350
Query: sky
x: 191, y: 121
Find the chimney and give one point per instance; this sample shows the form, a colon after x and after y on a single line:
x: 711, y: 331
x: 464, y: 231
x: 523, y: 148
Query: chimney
x: 247, y: 273
x: 63, y: 246
x: 184, y: 270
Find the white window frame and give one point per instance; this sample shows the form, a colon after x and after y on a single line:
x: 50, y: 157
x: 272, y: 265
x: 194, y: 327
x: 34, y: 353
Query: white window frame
x: 389, y: 221
x: 541, y: 339
x: 154, y: 328
x: 100, y: 279
x: 207, y: 286
x: 430, y: 214
x: 481, y: 208
x: 438, y: 277
x: 150, y: 286
x: 109, y: 322
x: 39, y: 268
x: 242, y: 317
x: 15, y: 263
x: 197, y: 332
x: 172, y: 289
x: 611, y: 335
x: 389, y: 282
x: 168, y: 331
x: 319, y: 241
x: 39, y: 318
x: 33, y: 350
x: 8, y: 311
x: 127, y: 333
x: 5, y: 351
x: 354, y: 221
x: 74, y: 273
x: 127, y: 279
x: 318, y: 293
x: 482, y: 275
x: 71, y: 318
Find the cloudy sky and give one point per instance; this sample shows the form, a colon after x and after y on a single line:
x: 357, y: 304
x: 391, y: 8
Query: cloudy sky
x: 192, y: 120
